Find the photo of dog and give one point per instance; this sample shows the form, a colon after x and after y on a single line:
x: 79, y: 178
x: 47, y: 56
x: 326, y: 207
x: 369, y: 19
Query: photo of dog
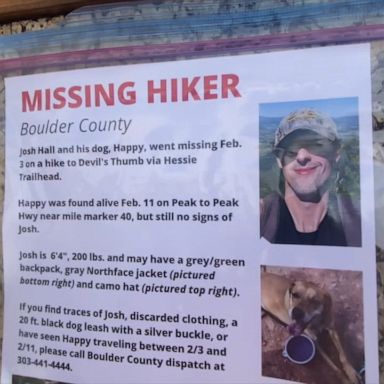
x: 325, y: 306
x: 16, y: 379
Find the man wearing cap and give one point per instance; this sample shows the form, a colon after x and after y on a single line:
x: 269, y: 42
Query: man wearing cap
x: 308, y: 210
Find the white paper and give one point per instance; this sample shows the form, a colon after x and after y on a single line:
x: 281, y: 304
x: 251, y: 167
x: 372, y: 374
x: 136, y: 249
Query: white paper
x: 151, y: 207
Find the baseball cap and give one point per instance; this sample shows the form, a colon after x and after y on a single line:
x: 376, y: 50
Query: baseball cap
x: 306, y: 119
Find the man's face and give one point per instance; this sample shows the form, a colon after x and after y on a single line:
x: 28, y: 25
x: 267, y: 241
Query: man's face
x: 307, y: 160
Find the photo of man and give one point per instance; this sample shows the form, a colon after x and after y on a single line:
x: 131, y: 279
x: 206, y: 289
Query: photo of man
x: 307, y: 207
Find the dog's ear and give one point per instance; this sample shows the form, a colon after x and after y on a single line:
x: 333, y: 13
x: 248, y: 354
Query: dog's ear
x: 291, y: 290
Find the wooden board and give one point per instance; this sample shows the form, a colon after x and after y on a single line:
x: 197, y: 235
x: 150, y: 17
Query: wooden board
x: 14, y: 10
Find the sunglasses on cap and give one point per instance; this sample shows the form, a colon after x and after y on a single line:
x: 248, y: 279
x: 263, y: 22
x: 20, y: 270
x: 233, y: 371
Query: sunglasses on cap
x: 318, y: 147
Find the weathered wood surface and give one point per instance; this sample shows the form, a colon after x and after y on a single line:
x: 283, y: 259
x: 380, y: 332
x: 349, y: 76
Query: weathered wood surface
x: 11, y: 10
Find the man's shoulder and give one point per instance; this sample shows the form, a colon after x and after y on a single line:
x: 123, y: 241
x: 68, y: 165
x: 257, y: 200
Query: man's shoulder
x: 269, y: 215
x: 350, y: 216
x: 268, y: 201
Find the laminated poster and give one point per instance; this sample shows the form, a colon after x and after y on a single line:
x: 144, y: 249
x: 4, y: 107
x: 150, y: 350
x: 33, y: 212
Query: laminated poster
x: 199, y: 221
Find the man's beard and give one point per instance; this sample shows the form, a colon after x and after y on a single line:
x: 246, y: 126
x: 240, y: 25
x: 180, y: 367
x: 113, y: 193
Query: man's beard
x: 315, y: 194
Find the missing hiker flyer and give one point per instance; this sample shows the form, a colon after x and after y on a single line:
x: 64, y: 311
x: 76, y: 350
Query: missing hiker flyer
x: 197, y: 221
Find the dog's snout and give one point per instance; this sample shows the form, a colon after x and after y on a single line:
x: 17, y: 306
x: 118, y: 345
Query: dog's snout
x: 297, y: 314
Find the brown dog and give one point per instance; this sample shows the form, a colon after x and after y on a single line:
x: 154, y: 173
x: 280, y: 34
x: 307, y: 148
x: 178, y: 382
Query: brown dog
x: 305, y: 307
